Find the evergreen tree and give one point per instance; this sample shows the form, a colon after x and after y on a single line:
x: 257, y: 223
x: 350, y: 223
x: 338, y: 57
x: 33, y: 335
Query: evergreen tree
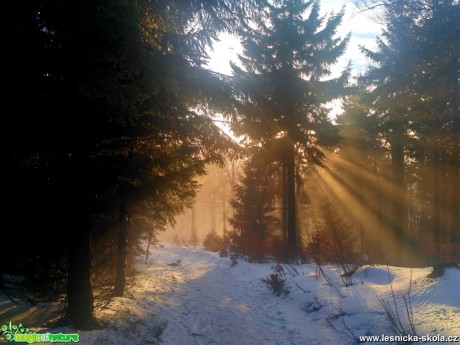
x: 361, y: 165
x: 253, y: 201
x: 281, y: 88
x: 435, y: 114
x: 107, y: 124
x: 413, y: 95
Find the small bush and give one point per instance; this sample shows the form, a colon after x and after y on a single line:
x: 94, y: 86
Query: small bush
x: 213, y: 242
x: 320, y: 247
x: 276, y: 281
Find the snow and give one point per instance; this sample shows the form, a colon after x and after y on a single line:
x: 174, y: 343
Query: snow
x: 204, y: 300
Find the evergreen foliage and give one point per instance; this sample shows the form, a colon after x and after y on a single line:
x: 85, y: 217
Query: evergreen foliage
x: 282, y: 86
x: 253, y: 201
x: 407, y: 110
x: 106, y: 127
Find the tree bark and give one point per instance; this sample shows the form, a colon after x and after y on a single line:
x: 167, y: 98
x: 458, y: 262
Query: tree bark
x: 224, y: 209
x: 213, y: 212
x: 437, y: 262
x: 454, y: 197
x: 80, y: 293
x: 399, y: 195
x: 291, y: 204
x: 284, y: 208
x: 194, y: 235
x: 79, y: 289
x: 120, y: 280
x: 455, y: 161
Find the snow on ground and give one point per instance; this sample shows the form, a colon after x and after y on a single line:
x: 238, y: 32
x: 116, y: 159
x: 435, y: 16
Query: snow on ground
x: 204, y: 300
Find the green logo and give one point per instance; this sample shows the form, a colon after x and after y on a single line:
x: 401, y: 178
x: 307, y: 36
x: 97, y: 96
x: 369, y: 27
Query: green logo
x: 21, y: 334
x: 10, y: 330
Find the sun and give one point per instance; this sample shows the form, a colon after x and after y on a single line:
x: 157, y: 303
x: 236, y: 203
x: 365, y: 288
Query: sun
x: 223, y: 51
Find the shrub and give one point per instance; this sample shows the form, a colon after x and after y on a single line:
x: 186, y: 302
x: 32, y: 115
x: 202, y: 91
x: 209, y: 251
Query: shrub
x: 320, y: 247
x: 276, y: 281
x: 213, y: 242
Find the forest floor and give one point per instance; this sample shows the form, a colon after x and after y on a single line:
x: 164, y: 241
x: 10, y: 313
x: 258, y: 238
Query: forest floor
x: 203, y: 299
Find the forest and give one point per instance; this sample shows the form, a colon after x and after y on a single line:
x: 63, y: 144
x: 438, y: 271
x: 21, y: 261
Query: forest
x: 110, y: 133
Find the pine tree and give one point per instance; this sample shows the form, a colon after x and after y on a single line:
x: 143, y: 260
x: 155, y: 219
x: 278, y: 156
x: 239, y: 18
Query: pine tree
x: 362, y: 167
x: 282, y: 86
x: 107, y: 122
x: 253, y: 200
x: 413, y: 81
x: 436, y: 112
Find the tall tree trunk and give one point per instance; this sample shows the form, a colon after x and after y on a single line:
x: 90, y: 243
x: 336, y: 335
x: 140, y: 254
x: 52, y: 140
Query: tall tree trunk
x: 80, y: 293
x: 455, y: 161
x: 378, y: 188
x: 437, y: 269
x: 120, y: 280
x: 454, y: 196
x: 213, y: 212
x: 3, y: 260
x: 79, y: 289
x: 284, y: 205
x: 291, y: 204
x: 194, y: 235
x: 148, y: 245
x: 224, y: 209
x: 399, y: 197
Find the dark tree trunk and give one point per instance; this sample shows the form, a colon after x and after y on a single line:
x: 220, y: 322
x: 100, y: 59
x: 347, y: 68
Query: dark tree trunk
x: 213, y: 212
x: 120, y: 280
x: 194, y: 235
x: 399, y: 195
x: 224, y: 209
x: 2, y: 269
x: 436, y: 203
x: 79, y: 290
x: 455, y: 200
x: 80, y: 293
x: 291, y: 204
x: 284, y: 208
x: 378, y: 190
x: 455, y: 161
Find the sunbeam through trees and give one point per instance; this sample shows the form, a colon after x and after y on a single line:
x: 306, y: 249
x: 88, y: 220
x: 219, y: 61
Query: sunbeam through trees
x: 112, y: 142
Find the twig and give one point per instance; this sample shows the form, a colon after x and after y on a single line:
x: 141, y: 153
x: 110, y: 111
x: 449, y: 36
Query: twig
x: 306, y: 291
x: 329, y: 281
x: 348, y: 331
x: 393, y: 315
x: 292, y: 271
x: 410, y: 313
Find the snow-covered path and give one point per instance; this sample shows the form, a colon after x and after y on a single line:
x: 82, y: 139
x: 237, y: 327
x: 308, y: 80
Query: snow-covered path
x: 204, y: 300
x: 211, y: 302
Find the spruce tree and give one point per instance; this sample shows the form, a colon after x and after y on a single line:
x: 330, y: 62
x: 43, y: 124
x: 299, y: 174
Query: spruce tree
x: 105, y: 90
x: 413, y: 91
x: 282, y: 86
x: 253, y: 201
